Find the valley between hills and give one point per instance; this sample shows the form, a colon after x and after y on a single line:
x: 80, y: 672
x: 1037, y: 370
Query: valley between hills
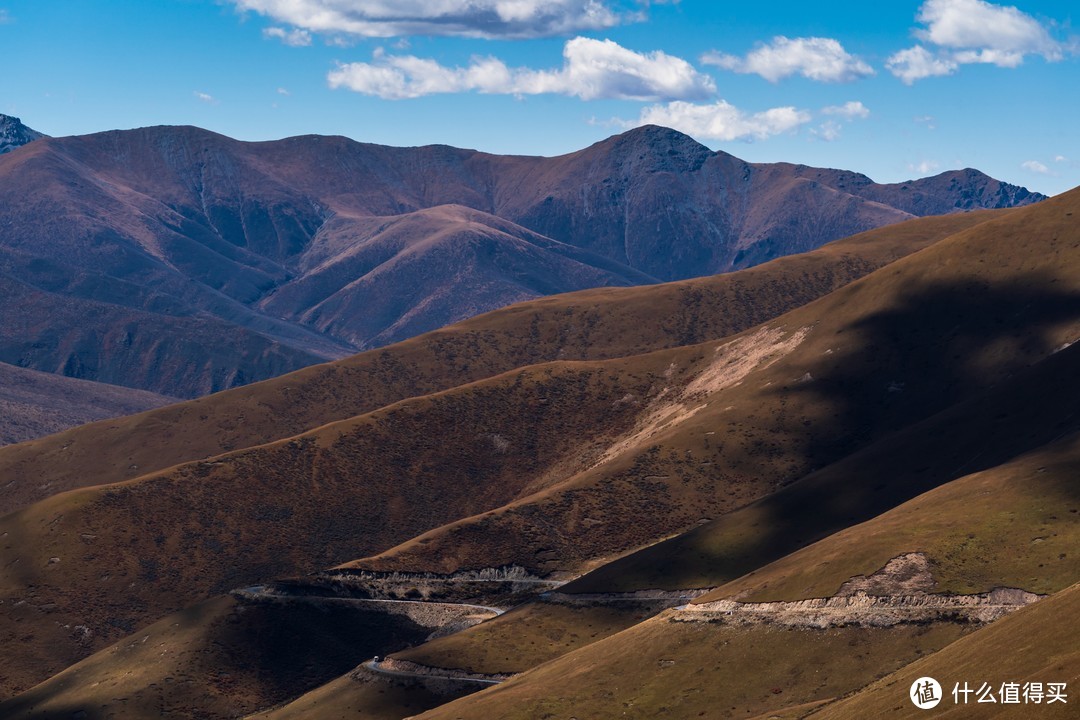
x: 785, y: 480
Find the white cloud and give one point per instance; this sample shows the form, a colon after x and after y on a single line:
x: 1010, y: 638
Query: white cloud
x: 293, y: 38
x: 205, y: 97
x: 972, y: 31
x: 827, y: 131
x: 849, y: 110
x: 1036, y: 167
x: 1060, y: 158
x: 463, y: 18
x: 591, y: 69
x: 986, y: 32
x: 924, y: 167
x: 917, y: 63
x: 5, y: 17
x: 283, y: 91
x: 821, y: 59
x: 722, y: 121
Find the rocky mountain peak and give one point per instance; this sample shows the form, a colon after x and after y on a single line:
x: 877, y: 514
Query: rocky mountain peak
x: 14, y: 134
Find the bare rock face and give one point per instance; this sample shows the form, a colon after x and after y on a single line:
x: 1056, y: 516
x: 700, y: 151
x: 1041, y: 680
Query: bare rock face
x: 179, y: 261
x: 14, y: 134
x: 908, y: 574
x: 895, y: 594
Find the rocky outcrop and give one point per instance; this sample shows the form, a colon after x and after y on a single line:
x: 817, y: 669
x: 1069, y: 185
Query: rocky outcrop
x: 861, y: 609
x: 14, y: 134
x: 907, y: 574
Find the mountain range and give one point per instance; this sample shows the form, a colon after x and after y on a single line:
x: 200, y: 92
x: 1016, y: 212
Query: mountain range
x: 182, y: 262
x: 784, y: 490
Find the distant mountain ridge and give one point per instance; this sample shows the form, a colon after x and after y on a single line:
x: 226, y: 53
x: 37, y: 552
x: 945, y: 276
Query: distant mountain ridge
x: 34, y: 403
x: 184, y: 262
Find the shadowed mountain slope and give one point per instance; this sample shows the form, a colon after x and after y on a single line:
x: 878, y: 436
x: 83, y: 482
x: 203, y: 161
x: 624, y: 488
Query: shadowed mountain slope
x: 222, y: 658
x: 1014, y: 417
x: 308, y: 248
x: 34, y: 403
x: 977, y: 533
x: 662, y: 668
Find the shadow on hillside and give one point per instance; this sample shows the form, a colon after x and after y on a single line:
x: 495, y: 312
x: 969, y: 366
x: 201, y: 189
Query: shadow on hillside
x: 953, y: 380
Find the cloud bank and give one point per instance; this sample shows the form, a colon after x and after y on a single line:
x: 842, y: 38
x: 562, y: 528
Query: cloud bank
x: 971, y: 31
x: 462, y: 18
x: 723, y: 121
x: 816, y: 58
x: 592, y: 69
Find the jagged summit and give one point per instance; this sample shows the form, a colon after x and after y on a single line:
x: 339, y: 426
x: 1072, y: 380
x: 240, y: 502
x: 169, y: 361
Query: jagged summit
x: 14, y: 134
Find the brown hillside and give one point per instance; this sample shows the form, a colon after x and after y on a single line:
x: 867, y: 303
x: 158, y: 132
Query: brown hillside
x: 1014, y: 525
x: 592, y: 324
x: 971, y: 543
x: 114, y: 558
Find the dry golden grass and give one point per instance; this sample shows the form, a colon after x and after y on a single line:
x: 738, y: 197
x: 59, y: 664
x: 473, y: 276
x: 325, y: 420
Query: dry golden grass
x: 511, y: 643
x: 1024, y: 414
x: 680, y: 670
x: 911, y: 340
x: 1016, y: 525
x: 524, y: 637
x: 911, y: 350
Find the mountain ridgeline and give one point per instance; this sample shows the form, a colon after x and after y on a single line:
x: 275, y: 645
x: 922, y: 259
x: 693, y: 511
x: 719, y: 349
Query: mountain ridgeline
x: 176, y: 260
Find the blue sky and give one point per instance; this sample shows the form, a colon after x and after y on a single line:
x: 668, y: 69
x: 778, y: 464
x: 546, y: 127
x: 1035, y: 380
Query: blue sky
x: 895, y: 90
